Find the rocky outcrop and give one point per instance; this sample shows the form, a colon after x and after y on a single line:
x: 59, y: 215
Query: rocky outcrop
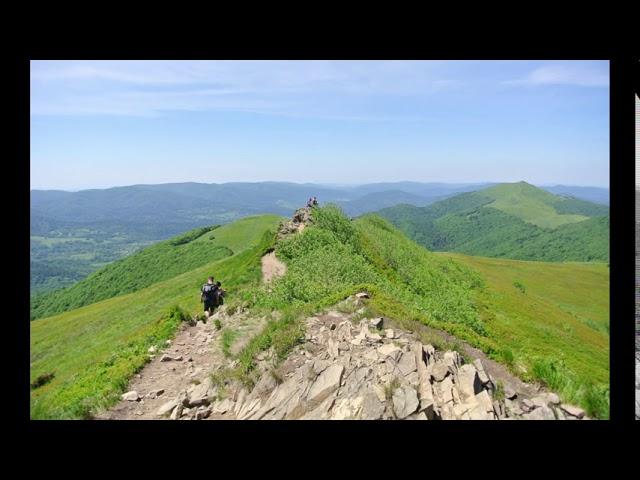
x: 301, y: 218
x: 346, y: 370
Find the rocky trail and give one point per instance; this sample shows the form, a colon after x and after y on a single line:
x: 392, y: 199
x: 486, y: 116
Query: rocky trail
x: 347, y: 367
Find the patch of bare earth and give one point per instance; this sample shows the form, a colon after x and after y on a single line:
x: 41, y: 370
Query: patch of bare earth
x: 272, y: 267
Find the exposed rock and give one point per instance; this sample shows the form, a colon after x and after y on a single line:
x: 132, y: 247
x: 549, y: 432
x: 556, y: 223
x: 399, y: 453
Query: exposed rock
x: 484, y: 400
x: 166, y: 408
x: 201, y: 394
x: 527, y: 405
x: 203, y: 412
x: 509, y: 392
x: 346, y: 408
x: 446, y: 390
x: 131, y: 396
x: 152, y: 349
x: 453, y: 360
x: 539, y: 402
x: 552, y: 398
x: 362, y: 295
x: 439, y: 372
x: 222, y: 406
x: 176, y: 412
x: 166, y: 358
x: 429, y: 354
x: 405, y: 401
x: 482, y: 375
x: 389, y: 333
x: 377, y: 322
x: 325, y: 384
x: 540, y: 413
x: 390, y: 350
x: 417, y: 416
x: 155, y: 393
x: 372, y: 406
x: 571, y: 410
x: 407, y: 363
x: 468, y: 381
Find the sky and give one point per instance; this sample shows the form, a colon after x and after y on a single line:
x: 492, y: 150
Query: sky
x: 98, y: 124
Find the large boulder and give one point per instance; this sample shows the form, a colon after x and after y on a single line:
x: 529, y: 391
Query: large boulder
x: 439, y: 371
x: 167, y: 408
x: 405, y: 401
x: 407, y: 363
x: 326, y: 383
x: 390, y: 350
x: 201, y: 394
x: 484, y: 377
x: 469, y: 383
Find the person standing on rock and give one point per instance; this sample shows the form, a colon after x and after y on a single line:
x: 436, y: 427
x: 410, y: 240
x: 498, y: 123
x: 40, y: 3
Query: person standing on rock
x: 209, y: 296
x: 315, y: 202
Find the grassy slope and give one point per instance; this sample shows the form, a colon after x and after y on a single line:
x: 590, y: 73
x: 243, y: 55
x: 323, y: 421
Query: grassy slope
x: 95, y: 349
x: 531, y: 204
x: 158, y: 262
x: 562, y: 316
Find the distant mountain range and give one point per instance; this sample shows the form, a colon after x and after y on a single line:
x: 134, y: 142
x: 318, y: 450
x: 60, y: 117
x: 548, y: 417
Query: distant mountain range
x: 513, y: 220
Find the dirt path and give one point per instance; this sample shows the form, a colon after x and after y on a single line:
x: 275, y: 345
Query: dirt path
x: 194, y: 353
x: 272, y: 267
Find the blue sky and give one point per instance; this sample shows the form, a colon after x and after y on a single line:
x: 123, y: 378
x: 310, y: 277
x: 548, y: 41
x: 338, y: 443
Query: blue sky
x: 97, y: 124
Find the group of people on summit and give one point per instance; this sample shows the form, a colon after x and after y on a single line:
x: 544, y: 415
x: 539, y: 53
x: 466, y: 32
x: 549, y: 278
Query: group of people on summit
x: 212, y: 294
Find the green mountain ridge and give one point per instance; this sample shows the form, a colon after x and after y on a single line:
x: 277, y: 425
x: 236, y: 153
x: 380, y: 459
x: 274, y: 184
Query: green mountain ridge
x: 93, y: 350
x: 516, y: 221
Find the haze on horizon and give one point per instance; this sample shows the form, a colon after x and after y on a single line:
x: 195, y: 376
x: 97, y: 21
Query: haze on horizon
x: 98, y: 124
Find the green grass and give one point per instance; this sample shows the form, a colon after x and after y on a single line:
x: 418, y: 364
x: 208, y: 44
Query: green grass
x: 95, y: 349
x: 531, y: 204
x: 226, y: 341
x: 557, y: 332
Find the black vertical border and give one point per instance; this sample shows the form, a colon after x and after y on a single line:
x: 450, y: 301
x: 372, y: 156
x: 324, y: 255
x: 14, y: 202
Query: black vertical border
x: 622, y: 234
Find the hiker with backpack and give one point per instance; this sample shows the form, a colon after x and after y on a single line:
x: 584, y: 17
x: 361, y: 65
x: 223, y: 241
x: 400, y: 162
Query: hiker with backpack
x: 209, y: 296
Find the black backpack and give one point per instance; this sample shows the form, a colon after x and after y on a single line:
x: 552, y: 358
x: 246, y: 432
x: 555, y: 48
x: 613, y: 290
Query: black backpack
x: 208, y: 291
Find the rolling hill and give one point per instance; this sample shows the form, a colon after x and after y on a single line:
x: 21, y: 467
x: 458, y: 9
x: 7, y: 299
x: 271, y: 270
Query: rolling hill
x: 528, y: 318
x: 516, y: 221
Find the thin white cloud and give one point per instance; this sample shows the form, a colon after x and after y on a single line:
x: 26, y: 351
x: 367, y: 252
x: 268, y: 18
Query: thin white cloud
x: 272, y: 87
x: 566, y: 73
